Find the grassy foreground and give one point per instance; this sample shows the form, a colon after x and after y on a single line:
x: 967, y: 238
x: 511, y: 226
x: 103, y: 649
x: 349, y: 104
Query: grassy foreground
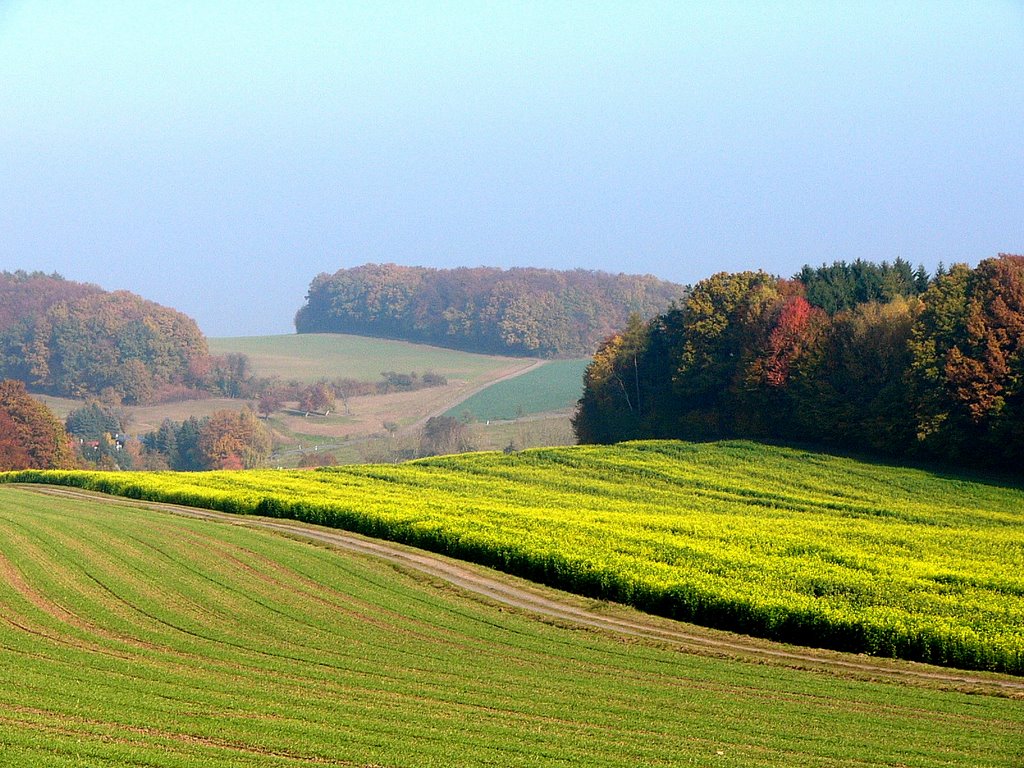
x: 134, y: 638
x: 800, y: 547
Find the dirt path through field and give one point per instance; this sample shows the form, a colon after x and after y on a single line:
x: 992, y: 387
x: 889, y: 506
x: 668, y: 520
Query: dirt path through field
x: 570, y: 610
x: 464, y: 396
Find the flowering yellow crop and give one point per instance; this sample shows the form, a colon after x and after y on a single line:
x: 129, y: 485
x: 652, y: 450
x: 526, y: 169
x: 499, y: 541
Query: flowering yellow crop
x: 801, y: 547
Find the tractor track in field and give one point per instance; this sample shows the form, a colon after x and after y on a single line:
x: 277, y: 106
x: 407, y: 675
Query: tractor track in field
x: 568, y: 609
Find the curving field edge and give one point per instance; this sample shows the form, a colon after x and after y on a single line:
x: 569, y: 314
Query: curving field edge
x: 564, y: 608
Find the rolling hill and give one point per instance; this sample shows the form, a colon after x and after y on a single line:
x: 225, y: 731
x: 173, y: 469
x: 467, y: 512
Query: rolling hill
x: 520, y: 311
x: 801, y: 547
x: 355, y: 432
x: 133, y: 637
x: 310, y: 357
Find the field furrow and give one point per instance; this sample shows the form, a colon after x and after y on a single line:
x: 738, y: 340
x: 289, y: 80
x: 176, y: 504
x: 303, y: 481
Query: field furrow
x: 779, y: 543
x: 442, y: 678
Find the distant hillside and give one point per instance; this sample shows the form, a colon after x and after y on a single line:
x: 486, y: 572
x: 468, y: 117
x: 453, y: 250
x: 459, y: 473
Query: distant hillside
x: 537, y: 312
x: 311, y: 357
x: 74, y: 339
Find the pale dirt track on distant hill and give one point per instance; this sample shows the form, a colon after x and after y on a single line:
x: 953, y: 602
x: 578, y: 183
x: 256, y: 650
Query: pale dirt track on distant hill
x: 570, y: 610
x: 464, y: 396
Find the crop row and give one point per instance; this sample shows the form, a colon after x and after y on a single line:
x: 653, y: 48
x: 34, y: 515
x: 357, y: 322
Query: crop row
x: 131, y: 638
x: 799, y: 547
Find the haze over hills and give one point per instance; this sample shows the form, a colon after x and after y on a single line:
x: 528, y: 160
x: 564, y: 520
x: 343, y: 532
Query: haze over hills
x: 215, y: 157
x: 114, y: 364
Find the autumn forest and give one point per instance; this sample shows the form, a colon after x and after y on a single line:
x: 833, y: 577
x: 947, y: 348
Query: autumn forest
x: 882, y: 358
x: 862, y: 356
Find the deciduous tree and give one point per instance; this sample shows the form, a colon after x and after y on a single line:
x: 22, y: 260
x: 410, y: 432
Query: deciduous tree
x: 968, y: 360
x: 270, y: 401
x: 721, y: 323
x: 747, y: 354
x: 233, y: 440
x: 31, y: 437
x: 442, y: 435
x: 317, y: 398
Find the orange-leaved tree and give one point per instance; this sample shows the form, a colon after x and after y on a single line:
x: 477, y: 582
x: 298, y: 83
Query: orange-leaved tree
x: 233, y: 440
x: 31, y: 437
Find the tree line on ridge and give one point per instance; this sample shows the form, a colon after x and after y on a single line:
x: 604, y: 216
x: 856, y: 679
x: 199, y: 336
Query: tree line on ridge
x: 862, y: 356
x: 521, y: 311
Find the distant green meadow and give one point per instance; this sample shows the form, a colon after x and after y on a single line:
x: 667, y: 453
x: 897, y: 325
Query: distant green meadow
x: 313, y: 356
x: 130, y: 637
x: 795, y: 546
x: 555, y: 386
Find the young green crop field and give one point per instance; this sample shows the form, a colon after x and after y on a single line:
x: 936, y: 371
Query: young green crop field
x: 131, y: 637
x: 801, y: 547
x: 310, y: 357
x: 555, y: 386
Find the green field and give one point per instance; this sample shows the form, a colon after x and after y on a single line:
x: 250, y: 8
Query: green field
x: 801, y: 547
x: 136, y: 638
x: 555, y: 386
x: 310, y: 357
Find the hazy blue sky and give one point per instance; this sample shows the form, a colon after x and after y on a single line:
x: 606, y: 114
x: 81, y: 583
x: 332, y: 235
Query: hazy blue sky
x: 215, y: 155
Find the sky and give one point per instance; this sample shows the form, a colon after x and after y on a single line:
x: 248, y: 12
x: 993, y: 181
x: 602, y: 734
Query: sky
x: 216, y: 155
